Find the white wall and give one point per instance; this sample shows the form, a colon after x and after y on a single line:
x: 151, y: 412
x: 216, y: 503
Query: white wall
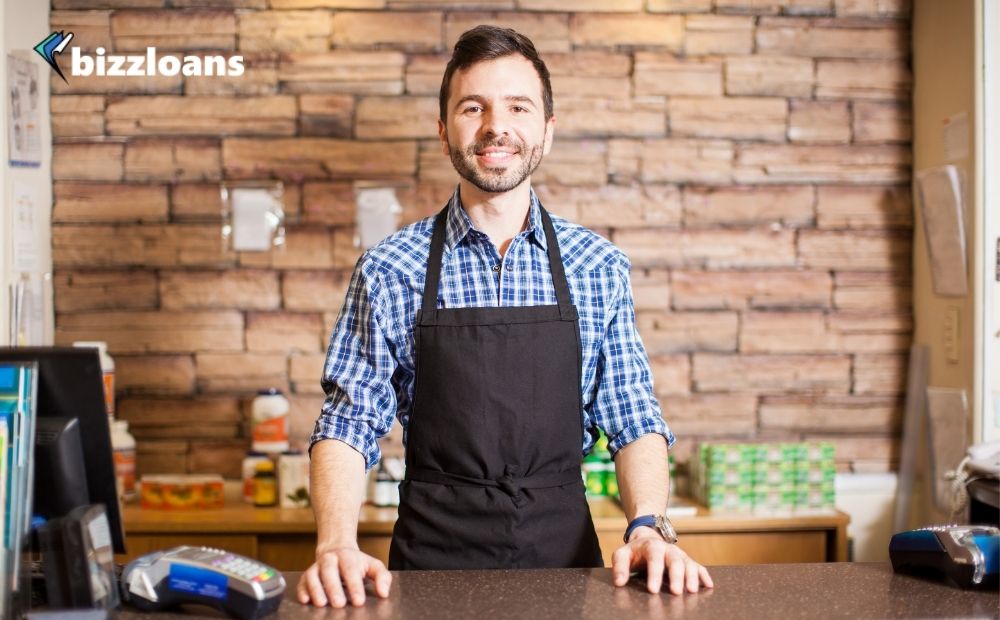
x: 948, y: 65
x: 870, y: 500
x: 990, y: 420
x: 24, y: 25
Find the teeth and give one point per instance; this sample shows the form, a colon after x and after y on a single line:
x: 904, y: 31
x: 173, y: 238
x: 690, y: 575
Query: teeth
x: 497, y: 155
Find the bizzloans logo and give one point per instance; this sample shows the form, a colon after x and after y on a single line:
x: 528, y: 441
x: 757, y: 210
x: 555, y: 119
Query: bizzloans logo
x: 83, y: 65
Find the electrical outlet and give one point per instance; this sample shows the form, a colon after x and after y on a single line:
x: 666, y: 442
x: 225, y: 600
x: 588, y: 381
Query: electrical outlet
x: 951, y: 323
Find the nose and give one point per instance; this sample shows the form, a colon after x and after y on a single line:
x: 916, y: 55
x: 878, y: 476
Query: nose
x: 496, y: 123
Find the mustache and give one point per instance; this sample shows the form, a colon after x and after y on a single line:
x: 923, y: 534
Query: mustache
x: 495, y: 143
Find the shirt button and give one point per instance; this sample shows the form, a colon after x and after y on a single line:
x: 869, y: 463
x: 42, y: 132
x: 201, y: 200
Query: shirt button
x: 496, y: 268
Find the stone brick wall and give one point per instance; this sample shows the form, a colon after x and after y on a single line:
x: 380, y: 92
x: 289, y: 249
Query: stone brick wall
x: 751, y: 156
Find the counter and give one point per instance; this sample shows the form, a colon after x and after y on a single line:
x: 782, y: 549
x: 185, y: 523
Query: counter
x: 834, y: 590
x: 286, y: 538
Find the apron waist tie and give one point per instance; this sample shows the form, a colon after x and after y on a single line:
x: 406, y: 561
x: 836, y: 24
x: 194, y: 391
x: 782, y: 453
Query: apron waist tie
x: 510, y: 483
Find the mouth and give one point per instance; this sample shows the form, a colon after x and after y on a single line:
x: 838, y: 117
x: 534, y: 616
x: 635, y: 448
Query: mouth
x: 495, y: 155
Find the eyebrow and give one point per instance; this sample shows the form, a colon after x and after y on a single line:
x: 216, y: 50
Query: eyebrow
x: 508, y: 98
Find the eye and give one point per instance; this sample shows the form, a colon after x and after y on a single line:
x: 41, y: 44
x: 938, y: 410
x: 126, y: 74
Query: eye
x: 519, y: 109
x: 472, y: 109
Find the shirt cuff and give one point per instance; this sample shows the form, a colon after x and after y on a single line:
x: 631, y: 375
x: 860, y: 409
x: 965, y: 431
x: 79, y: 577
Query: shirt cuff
x: 645, y: 426
x: 355, y: 433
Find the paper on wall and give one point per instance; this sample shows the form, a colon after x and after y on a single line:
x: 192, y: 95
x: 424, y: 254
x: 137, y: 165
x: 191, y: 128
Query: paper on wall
x: 942, y: 207
x: 26, y: 255
x: 33, y: 328
x: 28, y: 304
x: 253, y: 216
x: 956, y: 137
x: 23, y: 112
x: 947, y: 420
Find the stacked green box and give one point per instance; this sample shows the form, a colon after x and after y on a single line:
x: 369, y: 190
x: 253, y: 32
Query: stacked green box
x: 599, y: 471
x: 774, y: 486
x: 814, y: 480
x: 726, y: 476
x: 598, y: 468
x: 774, y: 498
x: 773, y: 477
x: 776, y: 477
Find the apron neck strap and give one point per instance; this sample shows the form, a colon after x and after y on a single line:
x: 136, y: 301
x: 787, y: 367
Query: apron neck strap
x: 429, y: 307
x: 433, y: 279
x: 566, y: 310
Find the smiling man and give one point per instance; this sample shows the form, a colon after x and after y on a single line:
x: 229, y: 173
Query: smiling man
x: 502, y: 338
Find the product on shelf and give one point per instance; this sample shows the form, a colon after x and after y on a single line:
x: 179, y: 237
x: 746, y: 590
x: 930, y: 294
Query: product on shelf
x: 181, y: 492
x: 764, y: 477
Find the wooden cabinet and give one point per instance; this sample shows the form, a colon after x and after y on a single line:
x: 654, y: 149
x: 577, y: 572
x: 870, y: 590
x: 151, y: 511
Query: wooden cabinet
x: 286, y: 538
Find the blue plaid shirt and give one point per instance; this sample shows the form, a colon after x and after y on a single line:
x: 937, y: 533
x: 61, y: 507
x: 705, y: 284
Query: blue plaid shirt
x: 369, y: 371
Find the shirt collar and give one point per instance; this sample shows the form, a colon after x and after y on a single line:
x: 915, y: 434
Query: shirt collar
x: 458, y: 224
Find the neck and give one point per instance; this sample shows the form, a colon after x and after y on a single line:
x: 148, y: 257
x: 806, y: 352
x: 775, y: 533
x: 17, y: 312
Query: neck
x: 500, y: 216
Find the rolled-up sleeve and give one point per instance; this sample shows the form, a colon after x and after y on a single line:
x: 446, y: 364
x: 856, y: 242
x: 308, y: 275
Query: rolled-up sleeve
x: 360, y: 403
x: 624, y: 405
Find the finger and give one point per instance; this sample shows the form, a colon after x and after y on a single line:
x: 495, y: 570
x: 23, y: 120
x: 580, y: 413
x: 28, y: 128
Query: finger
x: 691, y: 575
x: 621, y: 561
x: 381, y: 576
x: 301, y: 591
x: 329, y: 575
x: 706, y: 579
x: 677, y: 575
x: 654, y: 568
x: 353, y: 575
x: 315, y: 587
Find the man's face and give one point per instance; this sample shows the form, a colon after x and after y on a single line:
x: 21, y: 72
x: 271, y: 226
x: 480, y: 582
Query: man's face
x: 495, y: 130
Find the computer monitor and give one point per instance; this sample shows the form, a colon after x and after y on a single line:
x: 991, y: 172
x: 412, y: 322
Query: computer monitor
x: 70, y: 385
x: 60, y: 467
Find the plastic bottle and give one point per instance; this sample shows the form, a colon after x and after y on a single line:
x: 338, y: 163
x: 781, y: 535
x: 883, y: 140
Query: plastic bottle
x: 249, y: 470
x: 265, y: 484
x: 123, y: 445
x: 269, y: 422
x: 293, y: 479
x: 107, y: 369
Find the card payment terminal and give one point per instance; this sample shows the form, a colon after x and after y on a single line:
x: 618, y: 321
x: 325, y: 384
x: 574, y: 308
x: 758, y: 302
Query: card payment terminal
x: 237, y: 585
x: 968, y: 555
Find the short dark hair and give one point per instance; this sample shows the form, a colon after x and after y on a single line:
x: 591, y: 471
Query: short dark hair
x: 488, y: 43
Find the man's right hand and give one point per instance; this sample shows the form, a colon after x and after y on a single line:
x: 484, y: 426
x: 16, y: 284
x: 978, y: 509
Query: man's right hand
x: 339, y: 574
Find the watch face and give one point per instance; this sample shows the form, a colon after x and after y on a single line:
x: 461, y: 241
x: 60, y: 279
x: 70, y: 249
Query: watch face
x: 666, y: 528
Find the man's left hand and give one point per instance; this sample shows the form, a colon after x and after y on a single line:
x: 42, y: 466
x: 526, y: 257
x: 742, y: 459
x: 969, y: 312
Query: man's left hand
x: 648, y: 550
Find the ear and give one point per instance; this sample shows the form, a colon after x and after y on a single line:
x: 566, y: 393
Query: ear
x: 443, y: 137
x: 550, y: 130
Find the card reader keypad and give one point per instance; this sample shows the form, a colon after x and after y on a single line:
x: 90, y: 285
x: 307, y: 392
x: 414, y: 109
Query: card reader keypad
x: 243, y: 567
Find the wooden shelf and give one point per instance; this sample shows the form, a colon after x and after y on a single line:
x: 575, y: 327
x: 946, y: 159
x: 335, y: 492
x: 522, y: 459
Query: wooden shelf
x: 286, y: 537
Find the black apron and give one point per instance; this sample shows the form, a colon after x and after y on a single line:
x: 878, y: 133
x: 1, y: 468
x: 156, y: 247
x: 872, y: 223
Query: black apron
x: 494, y: 439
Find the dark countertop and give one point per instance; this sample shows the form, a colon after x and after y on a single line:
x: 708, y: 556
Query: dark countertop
x: 832, y: 590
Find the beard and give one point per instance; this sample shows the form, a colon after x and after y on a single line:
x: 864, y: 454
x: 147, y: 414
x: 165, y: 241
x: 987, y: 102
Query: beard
x: 499, y: 179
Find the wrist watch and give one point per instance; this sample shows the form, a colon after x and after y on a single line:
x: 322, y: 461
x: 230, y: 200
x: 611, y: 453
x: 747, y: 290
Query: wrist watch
x: 660, y: 523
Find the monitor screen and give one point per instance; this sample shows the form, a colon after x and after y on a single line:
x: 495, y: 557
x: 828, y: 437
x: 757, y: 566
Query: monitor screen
x: 70, y: 385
